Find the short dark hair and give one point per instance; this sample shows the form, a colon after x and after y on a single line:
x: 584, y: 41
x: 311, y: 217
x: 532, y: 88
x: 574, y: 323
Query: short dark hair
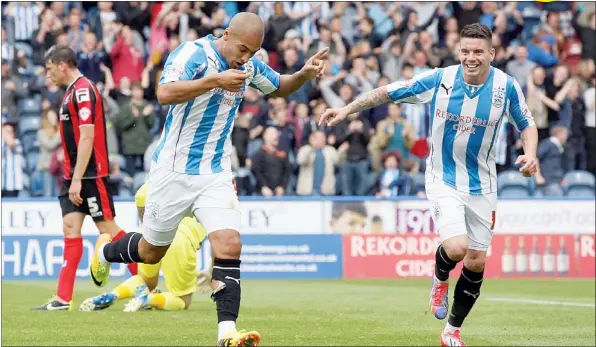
x: 62, y: 54
x: 476, y: 31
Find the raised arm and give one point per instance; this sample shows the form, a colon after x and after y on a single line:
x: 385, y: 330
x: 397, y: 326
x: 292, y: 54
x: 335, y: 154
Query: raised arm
x: 313, y: 67
x: 418, y: 90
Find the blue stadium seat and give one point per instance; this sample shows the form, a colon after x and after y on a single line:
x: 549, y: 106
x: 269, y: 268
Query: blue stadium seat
x: 24, y: 193
x: 579, y: 184
x: 32, y: 161
x: 30, y: 105
x: 512, y: 184
x: 29, y: 140
x: 37, y: 184
x: 29, y: 124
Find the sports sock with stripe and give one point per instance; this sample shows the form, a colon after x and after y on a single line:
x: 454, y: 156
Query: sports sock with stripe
x: 132, y: 267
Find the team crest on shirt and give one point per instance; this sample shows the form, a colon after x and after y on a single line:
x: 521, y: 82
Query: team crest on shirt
x: 84, y: 113
x: 173, y: 72
x: 152, y: 210
x: 436, y: 211
x: 498, y: 97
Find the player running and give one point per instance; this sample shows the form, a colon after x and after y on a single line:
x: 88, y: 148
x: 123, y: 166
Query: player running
x: 204, y: 82
x: 84, y: 187
x: 468, y: 102
x: 179, y: 269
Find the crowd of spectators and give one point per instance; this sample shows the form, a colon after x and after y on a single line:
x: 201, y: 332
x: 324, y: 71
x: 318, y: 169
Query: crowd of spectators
x: 278, y: 147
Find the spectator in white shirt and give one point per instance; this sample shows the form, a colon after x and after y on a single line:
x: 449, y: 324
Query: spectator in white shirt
x: 13, y: 163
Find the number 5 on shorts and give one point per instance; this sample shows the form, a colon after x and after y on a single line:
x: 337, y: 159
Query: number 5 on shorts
x: 93, y: 206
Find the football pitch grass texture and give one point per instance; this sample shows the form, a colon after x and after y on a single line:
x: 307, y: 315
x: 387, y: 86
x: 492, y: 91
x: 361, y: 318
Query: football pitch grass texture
x: 315, y: 313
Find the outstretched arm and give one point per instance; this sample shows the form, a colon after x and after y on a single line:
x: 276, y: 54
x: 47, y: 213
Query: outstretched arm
x: 313, y: 67
x: 419, y: 90
x: 374, y: 98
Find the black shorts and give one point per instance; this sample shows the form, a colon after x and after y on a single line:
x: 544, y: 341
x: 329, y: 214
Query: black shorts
x: 97, y: 199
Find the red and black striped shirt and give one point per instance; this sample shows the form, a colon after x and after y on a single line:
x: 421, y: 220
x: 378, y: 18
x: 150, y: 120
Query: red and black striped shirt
x: 83, y: 106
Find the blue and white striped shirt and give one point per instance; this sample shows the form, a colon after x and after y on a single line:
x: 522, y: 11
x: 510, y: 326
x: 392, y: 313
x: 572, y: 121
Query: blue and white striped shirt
x: 13, y: 165
x: 196, y: 139
x: 464, y: 124
x: 26, y: 20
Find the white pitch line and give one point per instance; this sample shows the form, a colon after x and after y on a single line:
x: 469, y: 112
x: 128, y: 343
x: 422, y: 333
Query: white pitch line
x: 543, y: 302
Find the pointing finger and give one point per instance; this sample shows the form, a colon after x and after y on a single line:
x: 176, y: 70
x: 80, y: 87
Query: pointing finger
x: 321, y: 54
x: 323, y: 117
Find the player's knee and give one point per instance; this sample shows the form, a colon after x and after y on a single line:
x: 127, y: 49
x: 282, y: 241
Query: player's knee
x: 475, y: 260
x: 226, y: 244
x: 72, y: 224
x: 456, y: 247
x: 151, y: 254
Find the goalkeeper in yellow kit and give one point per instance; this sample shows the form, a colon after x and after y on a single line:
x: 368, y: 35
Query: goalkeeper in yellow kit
x: 179, y: 270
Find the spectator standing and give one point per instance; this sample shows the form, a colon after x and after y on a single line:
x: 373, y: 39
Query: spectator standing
x: 13, y: 163
x: 134, y: 125
x: 127, y: 60
x: 520, y: 67
x: 8, y: 49
x: 91, y: 60
x: 589, y: 99
x: 45, y: 37
x: 354, y: 172
x: 25, y: 16
x: 318, y: 162
x: 12, y: 89
x: 575, y: 150
x: 49, y: 140
x: 586, y: 33
x: 550, y: 155
x: 271, y: 166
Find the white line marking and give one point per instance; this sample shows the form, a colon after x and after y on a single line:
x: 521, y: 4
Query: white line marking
x: 543, y: 302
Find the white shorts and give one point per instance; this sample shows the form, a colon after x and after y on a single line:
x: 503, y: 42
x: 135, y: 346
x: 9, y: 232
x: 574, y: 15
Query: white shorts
x: 456, y: 213
x: 171, y: 196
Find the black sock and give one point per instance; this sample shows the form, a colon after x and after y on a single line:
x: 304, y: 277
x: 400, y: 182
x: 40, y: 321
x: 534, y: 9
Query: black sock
x: 227, y: 298
x: 466, y: 293
x: 443, y: 264
x: 125, y: 250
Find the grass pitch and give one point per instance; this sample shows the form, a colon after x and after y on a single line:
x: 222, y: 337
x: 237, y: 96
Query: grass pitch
x: 316, y: 313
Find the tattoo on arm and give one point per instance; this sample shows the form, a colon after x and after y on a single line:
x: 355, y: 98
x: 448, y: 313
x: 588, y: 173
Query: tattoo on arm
x: 369, y: 100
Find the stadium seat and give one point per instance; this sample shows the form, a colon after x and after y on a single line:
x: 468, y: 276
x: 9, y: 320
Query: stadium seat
x: 512, y: 184
x: 579, y: 184
x: 37, y: 184
x: 30, y: 105
x: 29, y: 140
x: 29, y: 124
x: 32, y: 158
x: 24, y: 193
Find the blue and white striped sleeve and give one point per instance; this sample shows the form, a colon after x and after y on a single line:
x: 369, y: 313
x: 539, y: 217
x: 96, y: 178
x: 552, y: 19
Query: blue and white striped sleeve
x: 265, y: 78
x: 419, y: 90
x: 187, y: 62
x: 518, y: 112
